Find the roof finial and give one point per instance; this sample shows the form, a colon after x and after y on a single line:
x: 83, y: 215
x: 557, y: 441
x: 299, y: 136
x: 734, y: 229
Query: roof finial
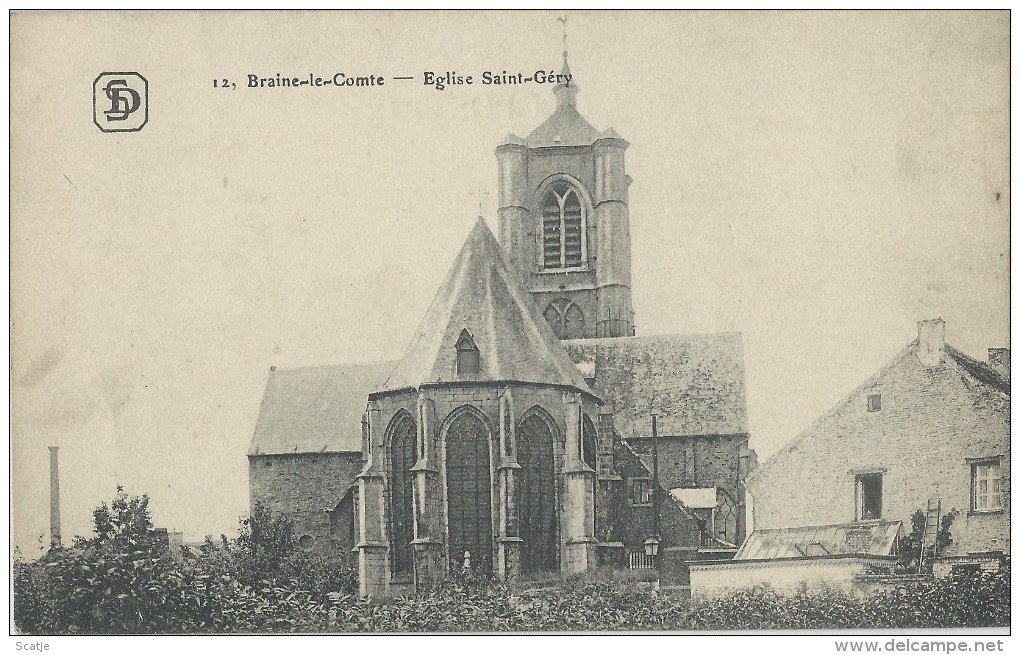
x: 563, y: 19
x: 565, y: 89
x: 480, y: 193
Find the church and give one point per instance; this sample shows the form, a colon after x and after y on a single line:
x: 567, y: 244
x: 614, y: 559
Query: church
x: 514, y: 435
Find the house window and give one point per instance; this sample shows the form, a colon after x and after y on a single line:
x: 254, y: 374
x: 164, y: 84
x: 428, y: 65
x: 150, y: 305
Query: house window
x: 985, y: 486
x: 869, y: 496
x: 468, y: 360
x: 641, y: 491
x: 874, y: 402
x: 563, y: 243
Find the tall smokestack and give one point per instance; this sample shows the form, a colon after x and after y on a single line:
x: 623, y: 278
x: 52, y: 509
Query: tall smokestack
x: 54, y: 499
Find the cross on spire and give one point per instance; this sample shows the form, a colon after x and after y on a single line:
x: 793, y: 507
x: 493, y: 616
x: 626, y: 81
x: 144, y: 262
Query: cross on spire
x: 480, y: 193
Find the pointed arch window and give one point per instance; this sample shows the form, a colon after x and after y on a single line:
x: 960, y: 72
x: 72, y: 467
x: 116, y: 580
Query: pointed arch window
x: 566, y: 319
x: 589, y: 449
x: 563, y: 222
x: 725, y: 519
x: 403, y: 436
x: 468, y: 358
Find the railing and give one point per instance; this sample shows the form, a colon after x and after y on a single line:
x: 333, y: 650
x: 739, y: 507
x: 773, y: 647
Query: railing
x: 638, y: 559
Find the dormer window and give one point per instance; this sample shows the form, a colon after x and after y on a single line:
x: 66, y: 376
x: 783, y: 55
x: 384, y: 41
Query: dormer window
x: 468, y: 359
x: 563, y: 239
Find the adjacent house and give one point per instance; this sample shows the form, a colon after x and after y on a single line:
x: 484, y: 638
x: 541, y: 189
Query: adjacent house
x: 929, y: 429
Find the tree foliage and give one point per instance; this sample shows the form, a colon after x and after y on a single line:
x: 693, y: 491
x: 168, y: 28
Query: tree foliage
x: 123, y: 580
x: 910, y: 545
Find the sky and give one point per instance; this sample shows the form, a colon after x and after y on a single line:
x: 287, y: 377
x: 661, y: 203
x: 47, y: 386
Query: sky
x: 816, y: 181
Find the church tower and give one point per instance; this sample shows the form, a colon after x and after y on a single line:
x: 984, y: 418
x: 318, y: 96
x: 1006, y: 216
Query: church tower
x: 564, y: 221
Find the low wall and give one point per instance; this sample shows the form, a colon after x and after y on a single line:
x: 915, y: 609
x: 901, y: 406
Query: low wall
x: 788, y: 575
x: 993, y: 561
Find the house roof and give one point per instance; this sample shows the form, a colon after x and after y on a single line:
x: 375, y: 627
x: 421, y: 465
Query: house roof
x: 315, y: 409
x: 699, y: 498
x: 876, y: 538
x: 481, y: 295
x: 979, y: 371
x: 693, y: 383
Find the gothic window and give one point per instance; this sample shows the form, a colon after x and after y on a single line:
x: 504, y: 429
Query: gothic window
x: 468, y: 360
x: 403, y: 455
x: 469, y: 492
x: 589, y: 453
x: 536, y: 500
x: 566, y: 319
x: 563, y: 242
x: 725, y: 519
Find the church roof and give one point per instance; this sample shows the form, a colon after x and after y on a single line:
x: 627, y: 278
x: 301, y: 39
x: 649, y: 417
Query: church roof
x: 693, y: 383
x: 481, y: 295
x: 566, y: 126
x: 315, y: 409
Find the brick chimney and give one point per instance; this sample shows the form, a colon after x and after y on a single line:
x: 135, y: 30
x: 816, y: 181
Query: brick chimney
x: 998, y: 358
x: 931, y: 341
x: 54, y: 499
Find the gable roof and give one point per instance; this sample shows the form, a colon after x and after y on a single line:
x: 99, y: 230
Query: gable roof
x: 978, y: 371
x: 315, y: 409
x: 694, y: 383
x: 875, y: 538
x: 482, y: 295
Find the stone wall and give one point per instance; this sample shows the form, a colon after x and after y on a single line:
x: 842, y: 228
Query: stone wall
x: 305, y: 487
x: 932, y: 421
x: 784, y: 575
x: 701, y: 462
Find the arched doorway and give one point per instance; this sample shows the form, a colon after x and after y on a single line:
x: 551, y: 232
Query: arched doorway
x: 469, y: 492
x: 403, y: 455
x: 536, y: 500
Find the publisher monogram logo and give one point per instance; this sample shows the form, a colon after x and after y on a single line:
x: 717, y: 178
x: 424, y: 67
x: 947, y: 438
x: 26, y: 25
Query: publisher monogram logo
x: 120, y: 102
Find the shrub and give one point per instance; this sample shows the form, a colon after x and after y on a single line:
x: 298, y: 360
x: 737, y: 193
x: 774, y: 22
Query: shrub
x: 125, y: 580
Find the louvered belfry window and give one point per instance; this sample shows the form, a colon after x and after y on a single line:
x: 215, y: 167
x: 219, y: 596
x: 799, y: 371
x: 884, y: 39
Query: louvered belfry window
x: 562, y: 228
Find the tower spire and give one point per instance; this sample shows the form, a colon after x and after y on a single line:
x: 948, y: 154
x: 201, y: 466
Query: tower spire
x: 566, y: 92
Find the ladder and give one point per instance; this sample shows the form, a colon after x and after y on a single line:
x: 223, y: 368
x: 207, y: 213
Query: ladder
x: 932, y: 521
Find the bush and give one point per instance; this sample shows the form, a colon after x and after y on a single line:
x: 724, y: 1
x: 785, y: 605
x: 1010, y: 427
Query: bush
x: 125, y: 580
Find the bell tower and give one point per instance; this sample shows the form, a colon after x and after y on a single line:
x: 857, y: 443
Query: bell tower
x: 564, y: 220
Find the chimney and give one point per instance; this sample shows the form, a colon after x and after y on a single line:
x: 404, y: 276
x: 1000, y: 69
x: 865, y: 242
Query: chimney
x: 931, y: 340
x: 998, y: 358
x: 54, y: 499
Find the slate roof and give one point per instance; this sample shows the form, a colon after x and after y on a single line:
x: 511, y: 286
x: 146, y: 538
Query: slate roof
x: 566, y: 126
x: 315, y: 409
x: 980, y: 370
x: 876, y: 538
x: 693, y: 383
x: 482, y: 295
